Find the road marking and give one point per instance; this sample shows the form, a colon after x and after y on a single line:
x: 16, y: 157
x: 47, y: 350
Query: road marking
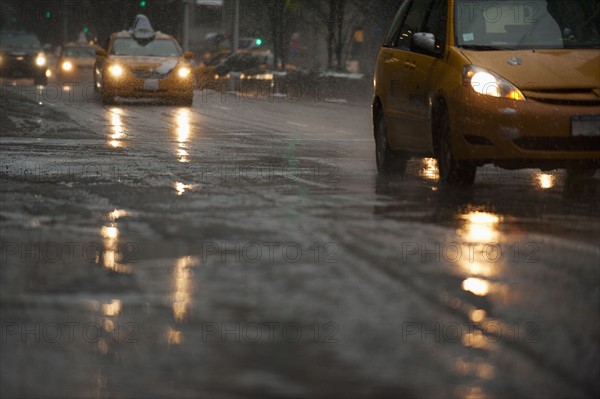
x: 297, y: 124
x: 222, y: 108
x: 307, y: 182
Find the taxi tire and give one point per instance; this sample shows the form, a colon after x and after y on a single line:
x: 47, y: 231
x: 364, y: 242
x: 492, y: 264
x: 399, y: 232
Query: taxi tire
x: 106, y: 99
x: 388, y: 161
x: 452, y: 172
x: 185, y: 101
x: 40, y: 80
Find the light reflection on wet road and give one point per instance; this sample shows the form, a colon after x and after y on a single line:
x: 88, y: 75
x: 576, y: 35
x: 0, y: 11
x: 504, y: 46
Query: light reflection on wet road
x: 225, y: 233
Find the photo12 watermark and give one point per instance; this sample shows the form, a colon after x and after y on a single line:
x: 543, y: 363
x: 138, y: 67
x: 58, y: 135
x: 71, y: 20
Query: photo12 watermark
x: 67, y: 333
x: 270, y: 332
x: 236, y: 252
x: 470, y: 334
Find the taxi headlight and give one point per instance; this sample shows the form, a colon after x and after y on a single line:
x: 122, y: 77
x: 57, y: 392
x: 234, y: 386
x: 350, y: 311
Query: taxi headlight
x: 116, y: 70
x: 67, y: 66
x: 184, y: 72
x: 490, y: 84
x: 40, y: 60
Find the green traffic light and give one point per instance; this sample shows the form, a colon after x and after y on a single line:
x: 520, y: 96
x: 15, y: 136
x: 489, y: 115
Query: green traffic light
x: 48, y: 14
x: 259, y: 42
x: 143, y: 3
x: 86, y: 30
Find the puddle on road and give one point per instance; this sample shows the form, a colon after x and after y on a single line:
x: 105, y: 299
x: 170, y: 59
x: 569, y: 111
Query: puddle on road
x: 184, y: 133
x: 115, y: 115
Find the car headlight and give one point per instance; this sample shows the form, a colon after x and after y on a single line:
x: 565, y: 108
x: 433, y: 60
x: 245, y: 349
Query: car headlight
x: 40, y: 60
x: 488, y: 83
x: 67, y: 66
x: 184, y: 72
x: 264, y: 76
x: 116, y: 70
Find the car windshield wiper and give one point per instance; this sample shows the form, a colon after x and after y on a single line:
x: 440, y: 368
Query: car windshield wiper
x: 485, y: 47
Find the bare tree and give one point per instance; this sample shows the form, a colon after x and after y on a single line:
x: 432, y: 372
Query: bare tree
x: 337, y: 16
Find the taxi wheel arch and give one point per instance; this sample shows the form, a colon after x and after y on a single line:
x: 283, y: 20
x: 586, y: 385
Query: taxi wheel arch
x: 452, y: 172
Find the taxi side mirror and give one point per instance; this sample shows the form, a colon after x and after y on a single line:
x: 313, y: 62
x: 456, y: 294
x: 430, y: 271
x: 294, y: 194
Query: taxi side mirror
x: 425, y: 43
x: 101, y: 53
x: 189, y: 55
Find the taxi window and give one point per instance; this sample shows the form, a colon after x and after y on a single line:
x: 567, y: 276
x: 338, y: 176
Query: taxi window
x: 392, y: 35
x: 80, y: 52
x: 414, y: 21
x: 437, y: 21
x: 154, y: 48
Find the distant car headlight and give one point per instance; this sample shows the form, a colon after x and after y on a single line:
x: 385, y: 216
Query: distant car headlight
x: 184, y: 72
x: 490, y: 84
x: 67, y: 66
x: 116, y: 70
x: 264, y: 76
x: 40, y: 60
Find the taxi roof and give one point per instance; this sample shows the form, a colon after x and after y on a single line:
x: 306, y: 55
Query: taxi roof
x: 142, y: 29
x: 129, y: 34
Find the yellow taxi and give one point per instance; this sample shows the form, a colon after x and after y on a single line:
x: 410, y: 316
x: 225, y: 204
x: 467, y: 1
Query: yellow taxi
x: 143, y: 63
x: 512, y: 83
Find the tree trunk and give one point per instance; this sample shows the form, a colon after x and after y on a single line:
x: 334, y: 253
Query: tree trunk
x: 331, y: 33
x: 341, y: 8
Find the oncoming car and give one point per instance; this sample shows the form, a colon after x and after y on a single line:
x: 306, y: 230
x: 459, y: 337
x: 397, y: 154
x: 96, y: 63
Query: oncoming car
x: 76, y: 61
x: 21, y: 56
x: 143, y: 63
x: 514, y: 83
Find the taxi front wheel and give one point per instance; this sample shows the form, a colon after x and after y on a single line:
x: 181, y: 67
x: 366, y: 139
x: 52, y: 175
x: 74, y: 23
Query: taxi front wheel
x: 106, y: 98
x: 388, y: 161
x: 452, y: 172
x: 184, y: 101
x: 40, y: 80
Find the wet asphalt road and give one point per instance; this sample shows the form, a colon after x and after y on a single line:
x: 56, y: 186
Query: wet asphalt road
x: 247, y: 247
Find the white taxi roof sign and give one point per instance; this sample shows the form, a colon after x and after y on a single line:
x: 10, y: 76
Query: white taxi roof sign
x: 142, y: 29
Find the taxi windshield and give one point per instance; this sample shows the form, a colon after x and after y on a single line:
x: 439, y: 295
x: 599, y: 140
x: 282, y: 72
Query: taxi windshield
x: 80, y: 52
x: 154, y: 48
x: 526, y: 24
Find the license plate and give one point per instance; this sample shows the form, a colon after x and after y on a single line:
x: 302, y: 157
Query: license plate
x: 151, y: 84
x: 585, y: 125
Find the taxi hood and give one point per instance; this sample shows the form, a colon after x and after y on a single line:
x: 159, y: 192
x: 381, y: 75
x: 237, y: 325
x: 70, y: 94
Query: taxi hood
x: 542, y: 69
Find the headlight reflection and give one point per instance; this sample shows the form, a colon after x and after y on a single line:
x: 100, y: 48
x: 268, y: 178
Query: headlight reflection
x: 183, y: 134
x: 118, y: 130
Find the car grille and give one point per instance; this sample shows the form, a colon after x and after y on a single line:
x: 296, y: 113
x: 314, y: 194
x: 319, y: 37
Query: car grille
x: 559, y: 143
x: 21, y: 58
x: 149, y: 74
x: 565, y: 96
